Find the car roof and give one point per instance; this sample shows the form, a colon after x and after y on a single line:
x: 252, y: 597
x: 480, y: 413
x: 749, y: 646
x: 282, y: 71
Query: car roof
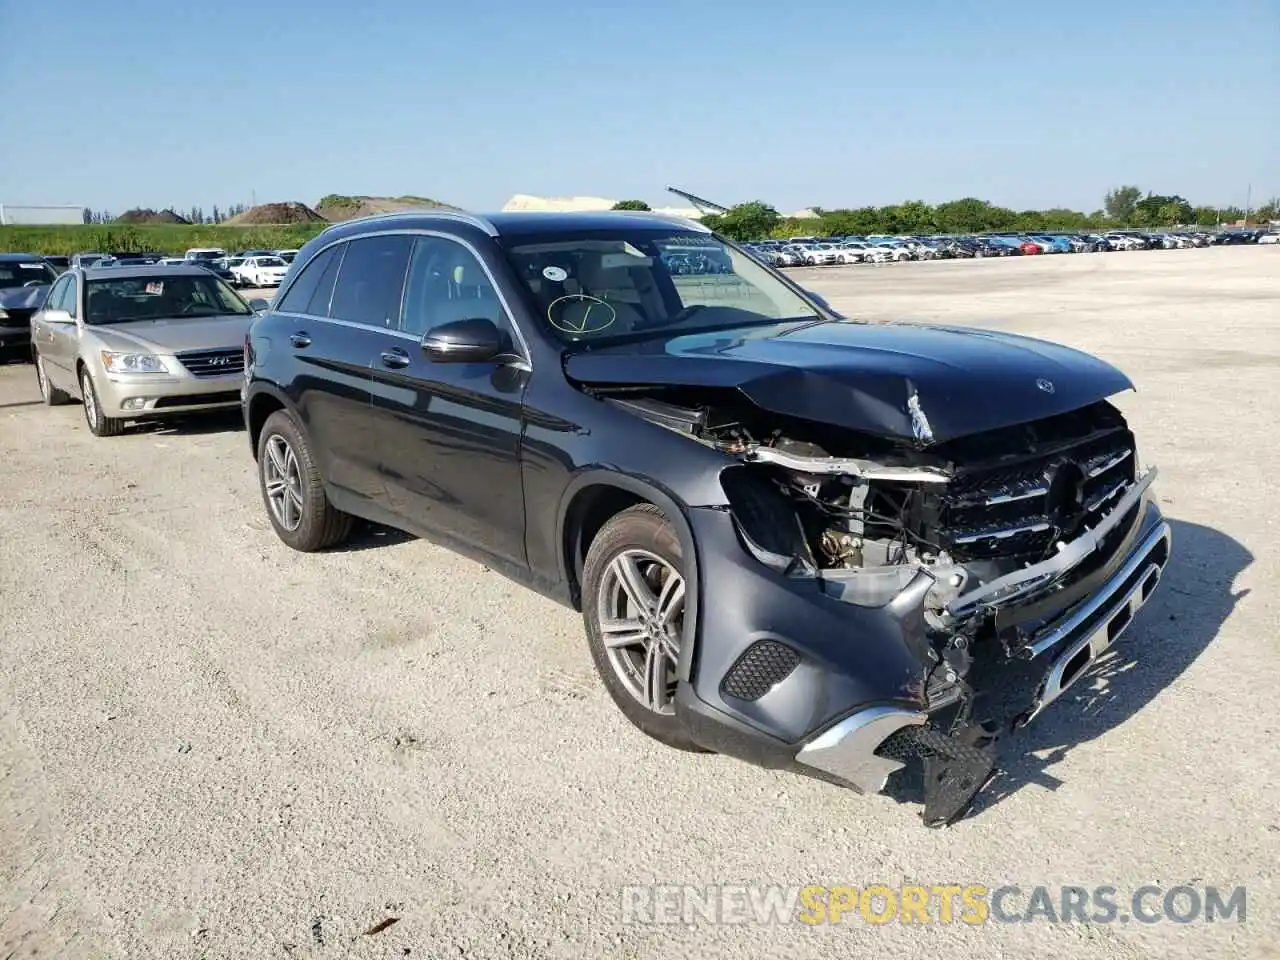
x: 520, y: 223
x: 142, y: 272
x: 20, y: 257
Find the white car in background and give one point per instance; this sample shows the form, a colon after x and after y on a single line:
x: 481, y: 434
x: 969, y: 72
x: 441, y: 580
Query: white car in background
x: 261, y: 271
x: 1269, y: 238
x: 821, y: 254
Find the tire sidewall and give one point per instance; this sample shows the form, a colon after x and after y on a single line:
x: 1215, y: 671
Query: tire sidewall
x: 309, y: 534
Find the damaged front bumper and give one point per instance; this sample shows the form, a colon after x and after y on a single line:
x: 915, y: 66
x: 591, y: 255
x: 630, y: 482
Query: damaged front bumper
x: 851, y: 705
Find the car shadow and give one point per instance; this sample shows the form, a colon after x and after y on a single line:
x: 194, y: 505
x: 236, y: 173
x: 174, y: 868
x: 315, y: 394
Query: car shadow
x: 194, y: 424
x: 1192, y: 602
x: 371, y: 536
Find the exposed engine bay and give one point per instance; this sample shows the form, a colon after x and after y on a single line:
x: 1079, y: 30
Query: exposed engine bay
x: 989, y: 532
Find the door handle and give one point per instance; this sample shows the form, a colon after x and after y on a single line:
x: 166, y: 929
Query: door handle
x: 300, y: 339
x: 395, y: 359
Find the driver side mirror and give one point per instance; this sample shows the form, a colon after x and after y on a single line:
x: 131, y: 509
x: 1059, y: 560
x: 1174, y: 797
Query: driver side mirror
x: 57, y: 317
x: 259, y: 305
x: 464, y: 341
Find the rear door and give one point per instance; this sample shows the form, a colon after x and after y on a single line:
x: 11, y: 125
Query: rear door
x: 351, y: 310
x: 449, y: 433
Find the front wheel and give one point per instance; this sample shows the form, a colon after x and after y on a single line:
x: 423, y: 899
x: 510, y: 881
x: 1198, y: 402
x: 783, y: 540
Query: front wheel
x: 100, y: 425
x: 634, y: 596
x: 292, y: 491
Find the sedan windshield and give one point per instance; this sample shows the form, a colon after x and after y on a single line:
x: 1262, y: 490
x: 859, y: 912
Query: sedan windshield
x: 21, y: 273
x: 271, y: 262
x: 600, y: 285
x: 160, y: 298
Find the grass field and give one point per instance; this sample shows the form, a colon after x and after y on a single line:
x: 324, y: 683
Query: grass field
x: 147, y: 238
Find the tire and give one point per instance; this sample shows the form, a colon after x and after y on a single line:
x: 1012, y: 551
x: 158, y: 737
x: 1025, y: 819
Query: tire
x: 640, y: 540
x: 298, y: 508
x: 100, y: 425
x: 51, y: 395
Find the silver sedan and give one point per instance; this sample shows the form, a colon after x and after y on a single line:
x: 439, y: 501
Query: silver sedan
x: 138, y: 343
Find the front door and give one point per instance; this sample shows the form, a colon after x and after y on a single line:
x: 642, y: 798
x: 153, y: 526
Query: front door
x: 449, y: 433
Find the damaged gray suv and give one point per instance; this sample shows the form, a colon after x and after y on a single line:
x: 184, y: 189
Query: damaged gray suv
x: 830, y: 546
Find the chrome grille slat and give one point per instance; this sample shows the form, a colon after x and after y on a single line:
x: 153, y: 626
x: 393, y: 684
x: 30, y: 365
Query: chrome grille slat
x: 213, y: 363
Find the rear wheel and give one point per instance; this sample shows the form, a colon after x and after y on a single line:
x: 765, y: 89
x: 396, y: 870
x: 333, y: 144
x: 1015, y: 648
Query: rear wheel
x: 100, y: 425
x: 634, y: 596
x: 50, y: 394
x: 292, y: 491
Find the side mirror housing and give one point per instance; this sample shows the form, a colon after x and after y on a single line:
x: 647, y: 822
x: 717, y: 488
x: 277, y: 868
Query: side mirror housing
x: 473, y: 340
x: 57, y: 317
x: 259, y: 305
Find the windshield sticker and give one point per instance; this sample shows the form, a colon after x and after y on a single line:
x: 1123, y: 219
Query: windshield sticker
x: 580, y: 315
x: 155, y: 287
x: 555, y: 274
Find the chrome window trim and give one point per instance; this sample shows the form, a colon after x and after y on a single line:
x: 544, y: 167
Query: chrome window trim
x: 410, y: 232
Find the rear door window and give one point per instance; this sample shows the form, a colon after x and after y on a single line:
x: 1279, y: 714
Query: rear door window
x: 310, y: 293
x: 371, y: 281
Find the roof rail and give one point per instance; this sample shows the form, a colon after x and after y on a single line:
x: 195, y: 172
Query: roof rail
x: 458, y: 215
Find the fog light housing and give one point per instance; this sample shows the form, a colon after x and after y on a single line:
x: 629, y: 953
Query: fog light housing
x: 134, y: 403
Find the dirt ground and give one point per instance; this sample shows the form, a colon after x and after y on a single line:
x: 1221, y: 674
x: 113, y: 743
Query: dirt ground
x: 211, y: 746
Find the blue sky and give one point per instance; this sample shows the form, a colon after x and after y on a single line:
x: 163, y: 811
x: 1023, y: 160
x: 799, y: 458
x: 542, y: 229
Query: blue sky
x: 1028, y: 103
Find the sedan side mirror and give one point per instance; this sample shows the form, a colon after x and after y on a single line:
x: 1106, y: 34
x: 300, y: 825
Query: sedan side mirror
x: 57, y: 317
x: 464, y: 341
x: 259, y: 305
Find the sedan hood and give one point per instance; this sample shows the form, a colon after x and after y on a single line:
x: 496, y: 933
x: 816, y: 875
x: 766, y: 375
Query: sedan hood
x: 24, y: 298
x: 927, y: 384
x: 173, y: 336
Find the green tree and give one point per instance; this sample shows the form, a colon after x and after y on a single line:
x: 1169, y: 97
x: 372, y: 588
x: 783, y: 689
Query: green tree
x: 747, y: 221
x: 1154, y: 210
x: 631, y: 205
x: 1120, y: 202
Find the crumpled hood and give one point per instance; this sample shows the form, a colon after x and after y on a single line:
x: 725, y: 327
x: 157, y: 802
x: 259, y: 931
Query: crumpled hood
x: 172, y: 336
x: 25, y: 298
x: 923, y: 383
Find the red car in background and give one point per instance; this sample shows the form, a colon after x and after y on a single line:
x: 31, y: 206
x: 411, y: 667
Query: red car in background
x: 1029, y: 247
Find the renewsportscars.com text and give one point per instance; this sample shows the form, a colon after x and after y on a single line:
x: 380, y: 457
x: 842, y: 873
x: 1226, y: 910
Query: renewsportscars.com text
x: 972, y: 904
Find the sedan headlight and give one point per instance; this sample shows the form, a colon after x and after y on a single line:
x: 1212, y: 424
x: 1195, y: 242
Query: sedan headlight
x: 132, y: 362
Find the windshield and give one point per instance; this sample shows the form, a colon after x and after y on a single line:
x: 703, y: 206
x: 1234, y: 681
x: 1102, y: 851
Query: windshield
x: 603, y: 284
x: 271, y: 262
x: 19, y: 273
x: 160, y: 297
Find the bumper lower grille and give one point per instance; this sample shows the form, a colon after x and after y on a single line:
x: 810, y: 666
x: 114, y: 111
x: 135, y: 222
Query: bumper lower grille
x: 213, y: 363
x: 764, y: 665
x: 199, y: 399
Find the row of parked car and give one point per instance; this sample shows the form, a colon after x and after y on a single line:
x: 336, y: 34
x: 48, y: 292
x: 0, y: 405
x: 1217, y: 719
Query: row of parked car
x: 246, y: 268
x: 816, y: 252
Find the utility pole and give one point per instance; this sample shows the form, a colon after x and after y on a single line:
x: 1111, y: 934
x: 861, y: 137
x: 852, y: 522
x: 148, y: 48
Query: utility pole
x: 1248, y: 199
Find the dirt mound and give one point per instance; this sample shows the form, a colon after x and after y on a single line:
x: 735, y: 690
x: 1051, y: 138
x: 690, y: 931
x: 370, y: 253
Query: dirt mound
x: 291, y: 212
x: 337, y: 206
x: 147, y: 215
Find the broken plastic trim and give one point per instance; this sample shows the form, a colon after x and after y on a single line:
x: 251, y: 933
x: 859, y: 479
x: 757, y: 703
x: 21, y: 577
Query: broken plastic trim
x: 1069, y: 555
x: 850, y: 466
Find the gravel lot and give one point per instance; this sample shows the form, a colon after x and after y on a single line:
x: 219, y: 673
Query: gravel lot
x: 211, y: 746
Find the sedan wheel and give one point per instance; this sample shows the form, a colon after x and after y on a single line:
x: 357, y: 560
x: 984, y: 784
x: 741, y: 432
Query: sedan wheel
x: 99, y: 424
x: 50, y: 394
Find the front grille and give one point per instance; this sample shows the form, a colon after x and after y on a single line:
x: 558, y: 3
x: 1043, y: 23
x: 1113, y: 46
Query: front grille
x: 17, y: 318
x: 1032, y: 486
x: 213, y: 363
x: 199, y: 399
x: 765, y: 664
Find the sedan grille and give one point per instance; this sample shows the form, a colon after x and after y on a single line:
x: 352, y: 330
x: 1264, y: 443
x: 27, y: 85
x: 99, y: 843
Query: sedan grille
x: 213, y: 363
